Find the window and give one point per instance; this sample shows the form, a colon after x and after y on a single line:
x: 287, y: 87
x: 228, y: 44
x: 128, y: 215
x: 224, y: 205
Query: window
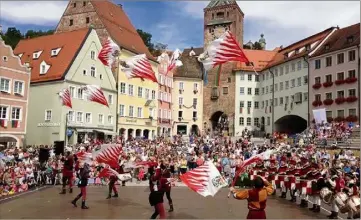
x: 329, y: 114
x: 48, y: 115
x: 305, y: 96
x: 131, y: 111
x: 153, y: 94
x: 92, y: 71
x: 110, y: 99
x: 195, y: 102
x: 329, y: 78
x: 139, y: 112
x: 229, y: 79
x: 71, y: 116
x: 276, y: 101
x: 84, y: 72
x: 328, y: 61
x: 340, y: 94
x: 281, y: 70
x: 92, y: 55
x: 351, y: 55
x: 194, y: 114
x: 242, y: 77
x: 268, y: 121
x: 262, y: 104
x: 88, y: 118
x: 340, y: 76
x: 266, y: 103
x: 74, y: 5
x: 249, y: 121
x: 195, y: 86
x: 256, y: 78
x: 180, y: 100
x: 100, y: 76
x: 266, y: 76
x: 72, y: 91
x: 181, y: 86
x: 71, y: 22
x: 241, y: 104
x: 225, y: 90
x: 266, y: 89
x: 262, y: 90
x: 110, y: 119
x: 101, y: 119
x: 140, y: 92
x: 79, y: 117
x: 340, y: 58
x: 5, y: 58
x: 3, y: 112
x: 256, y: 121
x: 293, y: 67
x: 241, y: 121
x: 87, y: 20
x: 147, y: 94
x: 286, y: 99
x: 180, y: 114
x: 352, y: 92
x: 350, y: 39
x: 276, y: 87
x: 299, y: 65
x: 305, y: 80
x: 256, y: 105
x: 287, y: 69
x: 130, y: 90
x: 18, y: 87
x: 271, y: 88
x: 5, y: 85
x: 352, y: 74
x: 122, y: 88
x: 281, y: 86
x: 299, y: 81
x: 80, y: 93
x: 287, y: 84
x: 16, y: 113
x: 249, y: 91
x: 318, y: 97
x: 122, y: 110
x: 317, y: 80
x: 293, y: 83
x: 352, y: 111
x: 249, y: 104
x: 84, y: 3
x: 256, y: 91
x: 340, y: 113
x: 241, y: 90
x: 249, y: 77
x: 329, y: 95
x: 281, y: 100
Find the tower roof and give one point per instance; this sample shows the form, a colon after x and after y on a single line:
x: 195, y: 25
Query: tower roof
x: 216, y: 3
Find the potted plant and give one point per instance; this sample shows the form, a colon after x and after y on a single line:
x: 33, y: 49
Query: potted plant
x: 351, y: 118
x: 328, y: 102
x: 339, y: 81
x: 350, y: 80
x: 329, y: 119
x: 316, y: 103
x: 327, y: 84
x: 317, y: 86
x: 340, y: 100
x: 339, y: 119
x: 351, y: 99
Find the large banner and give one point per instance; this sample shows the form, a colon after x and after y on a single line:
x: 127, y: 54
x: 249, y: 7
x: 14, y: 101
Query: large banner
x: 319, y: 115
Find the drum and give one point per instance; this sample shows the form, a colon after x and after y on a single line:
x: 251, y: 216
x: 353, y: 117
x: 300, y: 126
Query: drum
x: 341, y: 201
x: 354, y: 204
x: 326, y: 195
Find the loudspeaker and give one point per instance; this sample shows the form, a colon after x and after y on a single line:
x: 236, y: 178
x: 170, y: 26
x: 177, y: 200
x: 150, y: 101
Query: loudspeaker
x: 59, y: 147
x: 43, y: 155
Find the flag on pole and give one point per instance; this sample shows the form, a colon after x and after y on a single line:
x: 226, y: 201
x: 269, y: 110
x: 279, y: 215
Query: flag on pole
x: 64, y: 94
x: 174, y: 61
x: 15, y: 123
x: 95, y: 94
x: 108, y: 172
x: 84, y: 157
x: 139, y: 67
x: 108, y: 154
x: 109, y: 52
x: 4, y: 123
x: 204, y: 180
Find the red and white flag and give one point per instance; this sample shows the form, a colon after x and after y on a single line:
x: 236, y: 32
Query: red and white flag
x: 204, y: 180
x: 109, y: 52
x: 64, y: 94
x: 139, y: 67
x: 222, y: 50
x: 95, y: 94
x: 84, y: 157
x: 173, y: 62
x: 108, y: 172
x: 108, y: 154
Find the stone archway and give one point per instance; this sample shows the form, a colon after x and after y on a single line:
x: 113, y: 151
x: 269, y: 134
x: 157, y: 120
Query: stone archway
x: 138, y: 133
x: 122, y: 132
x: 220, y: 122
x: 8, y: 138
x: 195, y: 130
x: 146, y: 134
x: 291, y: 124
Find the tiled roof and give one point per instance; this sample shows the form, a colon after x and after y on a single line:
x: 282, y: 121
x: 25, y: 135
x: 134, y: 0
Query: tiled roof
x: 216, y: 3
x: 313, y: 40
x: 259, y: 58
x: 70, y: 44
x: 191, y: 68
x: 339, y: 40
x: 120, y: 27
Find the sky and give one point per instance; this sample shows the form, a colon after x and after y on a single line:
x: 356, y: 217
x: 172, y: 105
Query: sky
x: 180, y: 23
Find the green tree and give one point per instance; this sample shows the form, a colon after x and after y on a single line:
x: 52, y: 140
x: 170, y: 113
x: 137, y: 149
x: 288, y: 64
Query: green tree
x: 154, y: 48
x: 12, y: 37
x: 33, y: 34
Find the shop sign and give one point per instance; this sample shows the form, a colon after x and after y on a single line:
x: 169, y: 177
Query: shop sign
x: 105, y: 126
x: 49, y: 124
x: 69, y: 132
x: 131, y: 120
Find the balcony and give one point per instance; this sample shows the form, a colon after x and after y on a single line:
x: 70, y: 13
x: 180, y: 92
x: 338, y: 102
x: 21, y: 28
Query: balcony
x: 317, y: 85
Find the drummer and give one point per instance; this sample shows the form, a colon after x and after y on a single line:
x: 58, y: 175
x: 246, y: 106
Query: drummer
x: 351, y: 190
x: 338, y: 184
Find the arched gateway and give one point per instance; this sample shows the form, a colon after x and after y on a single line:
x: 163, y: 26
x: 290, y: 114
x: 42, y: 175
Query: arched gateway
x: 291, y: 124
x: 220, y: 122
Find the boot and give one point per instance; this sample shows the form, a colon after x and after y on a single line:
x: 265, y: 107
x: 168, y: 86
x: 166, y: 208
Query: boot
x: 83, y: 206
x: 317, y: 209
x: 63, y: 191
x: 115, y: 195
x: 293, y: 199
x: 71, y: 190
x: 171, y: 209
x: 283, y: 195
x: 304, y: 204
x: 313, y: 207
x: 109, y: 196
x: 334, y: 215
x: 75, y: 200
x: 331, y: 215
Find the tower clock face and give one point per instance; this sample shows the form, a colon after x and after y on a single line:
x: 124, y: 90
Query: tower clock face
x: 218, y: 31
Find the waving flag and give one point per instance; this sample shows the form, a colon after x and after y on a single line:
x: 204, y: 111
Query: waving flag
x: 108, y: 172
x: 173, y: 62
x: 204, y: 180
x: 108, y: 154
x: 222, y: 50
x: 95, y: 94
x: 84, y: 157
x: 139, y: 67
x: 109, y: 52
x: 64, y: 94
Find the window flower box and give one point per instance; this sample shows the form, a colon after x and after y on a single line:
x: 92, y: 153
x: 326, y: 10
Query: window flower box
x: 350, y: 80
x: 339, y: 119
x: 351, y: 99
x: 340, y: 100
x: 327, y: 102
x: 317, y: 86
x: 340, y: 82
x: 327, y: 84
x: 316, y: 103
x: 351, y: 118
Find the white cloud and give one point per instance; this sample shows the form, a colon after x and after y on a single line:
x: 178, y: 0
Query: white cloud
x: 169, y: 34
x: 32, y: 12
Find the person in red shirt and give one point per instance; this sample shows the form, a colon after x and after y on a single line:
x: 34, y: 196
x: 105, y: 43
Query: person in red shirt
x: 156, y: 192
x: 256, y: 197
x: 67, y: 171
x: 337, y: 183
x: 166, y: 175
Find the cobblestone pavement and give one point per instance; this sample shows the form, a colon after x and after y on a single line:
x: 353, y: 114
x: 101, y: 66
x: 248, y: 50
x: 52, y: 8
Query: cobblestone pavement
x: 133, y: 204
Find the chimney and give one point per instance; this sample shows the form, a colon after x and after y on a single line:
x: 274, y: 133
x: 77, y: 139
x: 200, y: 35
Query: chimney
x: 120, y: 5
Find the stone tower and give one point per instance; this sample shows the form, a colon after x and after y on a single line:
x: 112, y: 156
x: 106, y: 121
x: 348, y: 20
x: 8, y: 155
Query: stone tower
x: 221, y: 16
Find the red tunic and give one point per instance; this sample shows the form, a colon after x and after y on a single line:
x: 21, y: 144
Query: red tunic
x: 164, y: 180
x: 68, y: 167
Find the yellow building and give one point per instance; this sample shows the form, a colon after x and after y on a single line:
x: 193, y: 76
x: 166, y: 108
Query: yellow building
x: 188, y: 95
x: 138, y: 104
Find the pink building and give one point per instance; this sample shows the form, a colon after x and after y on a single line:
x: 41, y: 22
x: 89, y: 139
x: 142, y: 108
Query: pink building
x: 14, y: 95
x: 164, y: 97
x: 335, y: 75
